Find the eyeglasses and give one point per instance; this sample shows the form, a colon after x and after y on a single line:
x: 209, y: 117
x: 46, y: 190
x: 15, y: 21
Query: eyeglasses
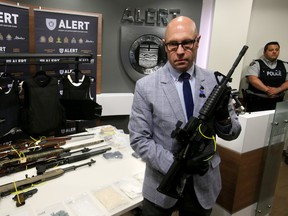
x: 186, y: 45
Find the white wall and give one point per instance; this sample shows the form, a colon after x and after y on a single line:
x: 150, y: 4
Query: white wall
x: 205, y: 30
x: 227, y: 25
x: 267, y: 23
x: 229, y: 34
x: 247, y: 22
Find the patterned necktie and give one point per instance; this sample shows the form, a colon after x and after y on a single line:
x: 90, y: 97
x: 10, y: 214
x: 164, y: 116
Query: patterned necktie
x: 187, y: 93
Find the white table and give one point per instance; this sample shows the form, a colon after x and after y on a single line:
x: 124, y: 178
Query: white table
x: 89, y: 191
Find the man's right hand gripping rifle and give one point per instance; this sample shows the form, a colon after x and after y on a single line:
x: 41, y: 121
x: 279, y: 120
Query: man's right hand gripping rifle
x: 198, y: 136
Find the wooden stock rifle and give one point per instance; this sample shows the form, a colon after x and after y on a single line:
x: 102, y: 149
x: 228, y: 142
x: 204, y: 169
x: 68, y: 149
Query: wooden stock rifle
x: 30, y: 148
x: 44, y: 154
x: 27, y: 143
x: 65, y: 158
x: 9, y: 188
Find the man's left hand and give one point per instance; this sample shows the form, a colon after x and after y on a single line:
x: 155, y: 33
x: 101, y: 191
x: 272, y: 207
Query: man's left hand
x: 222, y: 112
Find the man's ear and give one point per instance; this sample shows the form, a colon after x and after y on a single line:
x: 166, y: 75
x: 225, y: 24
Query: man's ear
x: 198, y: 40
x: 164, y: 41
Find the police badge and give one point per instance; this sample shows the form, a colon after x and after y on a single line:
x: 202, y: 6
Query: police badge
x: 51, y: 24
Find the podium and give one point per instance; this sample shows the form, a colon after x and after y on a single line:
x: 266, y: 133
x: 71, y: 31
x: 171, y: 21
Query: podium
x: 250, y: 164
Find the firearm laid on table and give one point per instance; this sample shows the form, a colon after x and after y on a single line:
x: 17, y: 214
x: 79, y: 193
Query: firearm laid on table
x: 86, y: 153
x: 65, y: 158
x: 193, y: 135
x: 19, y: 185
x: 10, y: 151
x: 7, y: 164
x: 26, y: 145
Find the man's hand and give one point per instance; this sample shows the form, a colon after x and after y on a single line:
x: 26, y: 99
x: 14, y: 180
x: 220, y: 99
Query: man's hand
x: 222, y: 113
x: 273, y: 92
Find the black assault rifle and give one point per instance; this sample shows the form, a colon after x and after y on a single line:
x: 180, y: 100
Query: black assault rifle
x: 191, y: 136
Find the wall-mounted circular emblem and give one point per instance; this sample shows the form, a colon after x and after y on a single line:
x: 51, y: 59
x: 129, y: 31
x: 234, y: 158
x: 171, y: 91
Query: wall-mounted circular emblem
x: 147, y: 54
x: 142, y: 50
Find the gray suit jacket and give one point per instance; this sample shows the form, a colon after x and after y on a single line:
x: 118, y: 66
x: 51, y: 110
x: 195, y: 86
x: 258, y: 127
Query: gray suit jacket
x: 155, y: 111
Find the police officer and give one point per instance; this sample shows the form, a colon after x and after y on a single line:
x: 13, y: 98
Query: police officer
x: 267, y: 80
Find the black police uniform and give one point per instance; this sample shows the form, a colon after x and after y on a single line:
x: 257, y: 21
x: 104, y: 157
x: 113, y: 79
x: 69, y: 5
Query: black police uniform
x: 257, y: 100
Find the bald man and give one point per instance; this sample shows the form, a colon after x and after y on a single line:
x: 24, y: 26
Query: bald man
x: 157, y: 106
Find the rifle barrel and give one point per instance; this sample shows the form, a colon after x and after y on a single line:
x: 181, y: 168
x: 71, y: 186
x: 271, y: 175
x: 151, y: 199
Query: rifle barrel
x: 236, y: 62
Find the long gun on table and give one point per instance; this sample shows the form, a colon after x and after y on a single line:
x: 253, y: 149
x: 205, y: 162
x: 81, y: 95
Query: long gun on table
x: 67, y: 160
x: 26, y: 148
x: 27, y: 143
x: 9, y: 188
x: 191, y: 136
x: 69, y: 137
x: 45, y: 154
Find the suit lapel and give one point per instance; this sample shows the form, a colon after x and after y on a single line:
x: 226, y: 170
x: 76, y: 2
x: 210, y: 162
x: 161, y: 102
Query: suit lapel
x: 200, y: 88
x: 196, y: 98
x: 172, y: 95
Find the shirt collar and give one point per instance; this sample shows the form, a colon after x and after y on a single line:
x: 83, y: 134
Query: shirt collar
x: 175, y: 74
x: 268, y: 62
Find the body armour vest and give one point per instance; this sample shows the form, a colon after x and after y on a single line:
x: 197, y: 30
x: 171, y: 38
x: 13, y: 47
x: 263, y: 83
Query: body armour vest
x: 270, y: 77
x: 77, y: 102
x: 77, y: 92
x: 9, y: 106
x: 42, y: 113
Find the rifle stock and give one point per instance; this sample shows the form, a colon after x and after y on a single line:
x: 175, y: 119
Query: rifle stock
x: 169, y: 183
x: 190, y: 136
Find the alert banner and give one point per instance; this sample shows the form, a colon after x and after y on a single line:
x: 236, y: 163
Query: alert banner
x: 62, y: 32
x: 67, y: 33
x: 14, y: 38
